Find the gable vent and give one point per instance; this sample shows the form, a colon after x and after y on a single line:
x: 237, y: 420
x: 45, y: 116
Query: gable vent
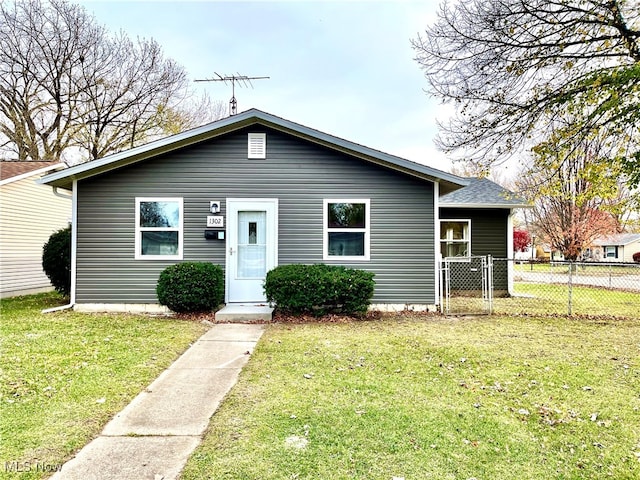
x: 257, y: 145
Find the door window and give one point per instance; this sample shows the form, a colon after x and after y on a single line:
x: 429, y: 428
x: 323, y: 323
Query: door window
x: 252, y: 244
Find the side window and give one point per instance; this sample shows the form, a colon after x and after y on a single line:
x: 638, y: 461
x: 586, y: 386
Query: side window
x: 159, y: 228
x: 346, y: 229
x: 455, y: 238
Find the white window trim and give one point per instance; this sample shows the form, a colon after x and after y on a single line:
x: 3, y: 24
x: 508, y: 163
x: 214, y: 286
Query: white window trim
x: 610, y: 249
x: 139, y: 230
x: 468, y: 241
x: 257, y: 145
x: 367, y: 230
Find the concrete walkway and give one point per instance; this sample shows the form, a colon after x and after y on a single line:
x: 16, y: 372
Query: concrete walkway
x: 154, y: 435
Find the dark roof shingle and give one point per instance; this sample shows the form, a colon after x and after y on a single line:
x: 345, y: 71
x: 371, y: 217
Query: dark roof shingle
x: 482, y: 192
x: 13, y: 168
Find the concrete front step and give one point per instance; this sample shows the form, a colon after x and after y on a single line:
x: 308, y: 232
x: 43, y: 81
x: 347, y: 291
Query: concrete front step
x: 240, y: 312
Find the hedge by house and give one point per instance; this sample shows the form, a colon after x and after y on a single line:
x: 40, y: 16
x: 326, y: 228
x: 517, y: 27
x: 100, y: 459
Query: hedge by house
x: 191, y: 287
x: 56, y: 260
x: 319, y: 289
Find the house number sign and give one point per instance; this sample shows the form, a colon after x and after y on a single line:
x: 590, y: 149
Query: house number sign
x: 215, y: 221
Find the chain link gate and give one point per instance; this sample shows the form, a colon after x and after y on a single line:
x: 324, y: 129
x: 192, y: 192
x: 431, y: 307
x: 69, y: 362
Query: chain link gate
x: 466, y: 286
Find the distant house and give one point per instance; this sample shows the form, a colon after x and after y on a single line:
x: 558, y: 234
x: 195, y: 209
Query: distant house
x: 615, y: 248
x: 546, y: 253
x: 29, y: 214
x: 253, y: 191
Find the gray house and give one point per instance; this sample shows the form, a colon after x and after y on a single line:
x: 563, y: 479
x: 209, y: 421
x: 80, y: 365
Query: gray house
x: 251, y: 192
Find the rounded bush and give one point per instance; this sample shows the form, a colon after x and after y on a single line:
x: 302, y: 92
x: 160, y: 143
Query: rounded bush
x: 319, y: 289
x: 56, y: 260
x: 191, y: 287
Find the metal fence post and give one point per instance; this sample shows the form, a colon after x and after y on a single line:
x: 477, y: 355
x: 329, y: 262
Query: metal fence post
x: 610, y: 274
x: 570, y: 288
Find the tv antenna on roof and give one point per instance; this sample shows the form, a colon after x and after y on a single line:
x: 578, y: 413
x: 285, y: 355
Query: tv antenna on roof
x: 240, y: 79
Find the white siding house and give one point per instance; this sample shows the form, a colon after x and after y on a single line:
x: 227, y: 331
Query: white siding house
x: 616, y: 248
x: 29, y: 214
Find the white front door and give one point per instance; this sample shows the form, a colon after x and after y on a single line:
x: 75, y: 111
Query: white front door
x: 252, y: 247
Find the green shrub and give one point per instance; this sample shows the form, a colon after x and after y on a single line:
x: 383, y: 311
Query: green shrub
x: 319, y: 289
x: 191, y: 287
x: 56, y: 260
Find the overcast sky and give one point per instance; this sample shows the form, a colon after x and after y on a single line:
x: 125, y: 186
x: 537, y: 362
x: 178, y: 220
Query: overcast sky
x: 344, y: 68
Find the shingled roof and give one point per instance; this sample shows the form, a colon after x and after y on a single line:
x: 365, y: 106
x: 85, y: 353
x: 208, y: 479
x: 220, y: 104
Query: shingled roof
x: 482, y: 193
x: 64, y: 179
x: 14, y: 168
x: 618, y: 239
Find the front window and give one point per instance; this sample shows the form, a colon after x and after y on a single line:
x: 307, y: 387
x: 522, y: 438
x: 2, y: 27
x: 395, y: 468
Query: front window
x: 346, y: 229
x: 158, y: 228
x: 455, y: 238
x: 610, y: 252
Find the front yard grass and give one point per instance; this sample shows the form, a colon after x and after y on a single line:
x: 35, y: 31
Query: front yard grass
x: 433, y: 397
x: 592, y: 269
x: 407, y: 397
x: 549, y: 298
x: 64, y: 375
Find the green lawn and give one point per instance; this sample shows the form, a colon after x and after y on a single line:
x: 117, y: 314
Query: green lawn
x: 592, y: 269
x: 433, y: 397
x: 413, y: 398
x: 64, y: 375
x: 545, y: 299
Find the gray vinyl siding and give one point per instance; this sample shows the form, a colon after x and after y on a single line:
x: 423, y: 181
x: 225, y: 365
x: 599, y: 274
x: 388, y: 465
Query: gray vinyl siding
x: 488, y: 236
x: 298, y: 173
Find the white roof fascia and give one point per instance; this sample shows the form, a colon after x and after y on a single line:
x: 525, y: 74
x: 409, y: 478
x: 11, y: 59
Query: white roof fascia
x: 334, y: 141
x: 485, y: 205
x: 242, y: 120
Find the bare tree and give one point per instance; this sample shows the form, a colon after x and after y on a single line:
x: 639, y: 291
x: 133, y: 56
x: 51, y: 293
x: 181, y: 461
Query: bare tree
x: 67, y: 86
x: 468, y: 169
x: 189, y: 114
x: 128, y: 86
x: 42, y: 49
x: 515, y: 66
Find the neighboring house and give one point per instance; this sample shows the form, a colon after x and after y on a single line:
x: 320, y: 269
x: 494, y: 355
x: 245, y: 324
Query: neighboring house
x: 254, y: 191
x: 615, y: 248
x: 29, y: 214
x: 526, y: 255
x: 545, y: 253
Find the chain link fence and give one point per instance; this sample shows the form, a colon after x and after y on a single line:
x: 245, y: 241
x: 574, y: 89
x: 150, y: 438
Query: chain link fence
x: 567, y: 288
x: 467, y: 285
